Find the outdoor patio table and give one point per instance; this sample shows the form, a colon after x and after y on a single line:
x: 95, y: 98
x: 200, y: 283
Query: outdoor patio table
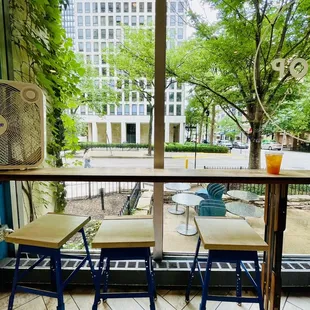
x: 178, y: 187
x: 244, y: 209
x: 243, y: 195
x: 187, y: 200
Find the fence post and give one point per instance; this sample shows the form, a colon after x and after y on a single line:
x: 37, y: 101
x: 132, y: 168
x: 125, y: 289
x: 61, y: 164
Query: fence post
x: 119, y: 187
x: 89, y: 190
x: 101, y: 191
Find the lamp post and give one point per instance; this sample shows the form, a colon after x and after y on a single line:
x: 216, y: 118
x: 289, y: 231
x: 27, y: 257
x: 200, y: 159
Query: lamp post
x: 189, y: 130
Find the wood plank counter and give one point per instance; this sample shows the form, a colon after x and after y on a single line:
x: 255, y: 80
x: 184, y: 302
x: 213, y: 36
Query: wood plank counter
x: 158, y: 175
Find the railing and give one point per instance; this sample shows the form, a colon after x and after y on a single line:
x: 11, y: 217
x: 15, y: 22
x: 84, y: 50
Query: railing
x: 87, y: 190
x: 132, y: 200
x: 259, y: 189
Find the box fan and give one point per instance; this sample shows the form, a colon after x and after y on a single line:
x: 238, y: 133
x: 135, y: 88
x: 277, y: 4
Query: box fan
x: 21, y: 125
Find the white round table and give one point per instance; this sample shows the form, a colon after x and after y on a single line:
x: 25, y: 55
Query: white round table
x: 178, y: 187
x: 243, y: 195
x: 187, y: 200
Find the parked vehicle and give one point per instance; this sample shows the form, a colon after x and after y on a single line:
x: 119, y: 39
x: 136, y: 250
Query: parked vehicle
x: 271, y: 145
x: 239, y: 145
x: 226, y: 143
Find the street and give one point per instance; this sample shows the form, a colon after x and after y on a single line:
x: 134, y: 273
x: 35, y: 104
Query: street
x: 237, y: 158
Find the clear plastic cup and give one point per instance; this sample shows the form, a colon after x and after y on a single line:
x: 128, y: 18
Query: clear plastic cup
x: 273, y: 162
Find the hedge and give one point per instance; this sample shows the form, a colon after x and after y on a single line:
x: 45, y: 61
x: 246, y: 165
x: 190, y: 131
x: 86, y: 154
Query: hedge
x: 169, y: 147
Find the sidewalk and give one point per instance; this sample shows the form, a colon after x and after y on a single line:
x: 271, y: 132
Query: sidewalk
x: 142, y: 153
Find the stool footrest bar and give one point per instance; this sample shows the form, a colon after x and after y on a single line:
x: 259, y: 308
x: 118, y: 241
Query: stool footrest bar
x: 36, y: 291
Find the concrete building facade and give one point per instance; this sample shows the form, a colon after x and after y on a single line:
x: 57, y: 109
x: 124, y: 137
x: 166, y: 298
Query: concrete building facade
x: 97, y: 25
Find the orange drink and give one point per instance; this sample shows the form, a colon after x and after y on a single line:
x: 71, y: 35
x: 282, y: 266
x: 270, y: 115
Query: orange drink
x: 273, y: 162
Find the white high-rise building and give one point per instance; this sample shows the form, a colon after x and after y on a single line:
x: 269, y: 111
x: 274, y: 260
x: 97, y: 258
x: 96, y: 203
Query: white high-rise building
x: 97, y: 25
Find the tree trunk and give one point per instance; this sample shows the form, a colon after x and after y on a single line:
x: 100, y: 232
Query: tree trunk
x: 255, y: 147
x: 212, y: 125
x: 149, y: 149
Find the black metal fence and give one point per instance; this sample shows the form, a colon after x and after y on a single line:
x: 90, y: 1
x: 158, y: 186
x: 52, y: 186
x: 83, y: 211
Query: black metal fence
x: 259, y: 189
x: 84, y: 190
x: 132, y: 200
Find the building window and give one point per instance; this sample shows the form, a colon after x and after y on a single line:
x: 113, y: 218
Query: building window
x: 103, y: 46
x: 118, y: 34
x: 80, y: 20
x: 82, y: 110
x: 180, y: 7
x: 95, y: 7
x: 80, y: 34
x: 88, y: 35
x: 179, y: 110
x: 87, y: 7
x: 149, y: 20
x: 96, y: 59
x: 134, y: 7
x: 80, y: 7
x: 179, y: 85
x: 90, y: 112
x: 104, y: 71
x: 173, y: 7
x: 180, y: 20
x: 180, y: 33
x: 126, y: 109
x: 141, y: 7
x: 134, y: 109
x: 134, y: 96
x: 110, y: 7
x: 118, y: 20
x: 102, y: 7
x: 88, y: 59
x: 126, y: 20
x: 102, y: 20
x: 87, y: 20
x: 103, y: 34
x: 149, y: 7
x: 126, y: 7
x: 179, y: 97
x: 119, y: 110
x: 95, y: 20
x: 141, y: 109
x: 81, y: 47
x: 133, y: 20
x: 141, y: 20
x: 95, y: 34
x: 96, y: 47
x: 171, y: 109
x: 112, y: 109
x: 118, y: 7
x: 111, y: 34
x: 172, y: 20
x: 171, y: 97
x: 110, y: 20
x: 88, y: 47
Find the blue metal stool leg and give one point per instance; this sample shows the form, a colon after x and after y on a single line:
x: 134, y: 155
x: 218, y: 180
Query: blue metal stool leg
x: 15, y: 279
x: 59, y: 283
x: 192, y: 272
x: 149, y: 279
x: 53, y: 273
x: 98, y: 281
x: 206, y: 282
x: 153, y: 277
x: 258, y: 282
x: 106, y: 274
x: 91, y: 266
x: 238, y: 282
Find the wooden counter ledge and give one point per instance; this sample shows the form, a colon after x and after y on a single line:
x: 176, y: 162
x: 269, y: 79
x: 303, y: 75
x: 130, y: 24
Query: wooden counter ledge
x: 157, y: 175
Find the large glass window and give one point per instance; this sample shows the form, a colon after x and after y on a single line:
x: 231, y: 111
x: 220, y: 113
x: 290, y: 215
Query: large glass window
x: 87, y: 7
x: 141, y: 109
x: 102, y: 7
x: 126, y: 7
x: 141, y: 7
x: 95, y: 34
x: 110, y: 7
x: 126, y: 20
x: 133, y: 20
x: 111, y: 34
x: 118, y: 34
x: 95, y: 7
x: 118, y: 7
x: 80, y: 34
x: 149, y: 7
x: 134, y: 7
x: 179, y: 96
x: 80, y: 20
x: 110, y: 20
x: 126, y: 109
x: 88, y: 34
x: 103, y: 34
x: 134, y: 109
x: 95, y: 20
x: 171, y: 109
x: 102, y: 21
x: 88, y: 47
x: 180, y: 7
x: 96, y: 47
x: 87, y: 20
x: 171, y: 97
x: 179, y: 110
x: 118, y: 20
x: 173, y: 7
x: 81, y: 47
x: 149, y: 20
x: 119, y: 110
x: 172, y: 20
x: 141, y: 20
x: 180, y: 20
x: 112, y: 109
x: 80, y: 7
x: 180, y: 33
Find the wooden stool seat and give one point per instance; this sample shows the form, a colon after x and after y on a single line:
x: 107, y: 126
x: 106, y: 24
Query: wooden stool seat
x: 228, y: 234
x: 228, y: 240
x: 122, y: 238
x: 44, y: 237
x: 125, y: 232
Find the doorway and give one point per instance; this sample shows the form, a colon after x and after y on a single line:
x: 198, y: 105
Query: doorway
x: 131, y: 133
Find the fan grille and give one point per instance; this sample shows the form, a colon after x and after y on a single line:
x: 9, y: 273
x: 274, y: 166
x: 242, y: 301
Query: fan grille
x: 21, y: 143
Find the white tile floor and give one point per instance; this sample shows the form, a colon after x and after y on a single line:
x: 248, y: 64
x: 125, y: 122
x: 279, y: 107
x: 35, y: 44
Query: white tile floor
x: 82, y: 299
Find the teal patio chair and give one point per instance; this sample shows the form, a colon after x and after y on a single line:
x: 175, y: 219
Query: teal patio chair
x: 211, y: 207
x: 212, y: 191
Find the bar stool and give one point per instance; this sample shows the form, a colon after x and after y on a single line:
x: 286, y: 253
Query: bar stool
x: 44, y: 237
x: 124, y: 238
x: 230, y: 241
